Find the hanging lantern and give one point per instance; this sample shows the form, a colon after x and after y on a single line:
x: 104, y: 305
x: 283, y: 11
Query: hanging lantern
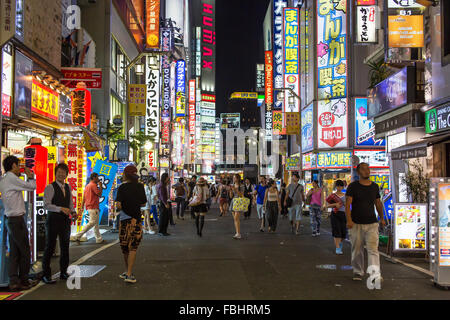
x: 81, y: 106
x: 36, y: 159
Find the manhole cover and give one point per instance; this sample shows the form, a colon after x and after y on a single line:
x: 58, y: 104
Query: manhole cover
x: 86, y: 271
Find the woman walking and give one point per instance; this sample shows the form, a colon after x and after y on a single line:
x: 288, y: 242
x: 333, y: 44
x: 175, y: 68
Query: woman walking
x: 130, y: 198
x: 201, y: 192
x: 146, y: 209
x: 272, y: 205
x: 248, y: 193
x: 338, y: 219
x: 223, y: 195
x: 238, y: 192
x: 316, y: 205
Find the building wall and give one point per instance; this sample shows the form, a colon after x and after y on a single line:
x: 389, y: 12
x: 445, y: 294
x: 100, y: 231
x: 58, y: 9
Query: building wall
x: 43, y: 29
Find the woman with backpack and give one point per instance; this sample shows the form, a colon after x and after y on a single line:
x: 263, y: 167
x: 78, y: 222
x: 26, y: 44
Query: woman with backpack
x: 200, y: 197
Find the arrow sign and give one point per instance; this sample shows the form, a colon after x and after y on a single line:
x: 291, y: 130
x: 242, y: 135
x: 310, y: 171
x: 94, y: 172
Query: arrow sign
x: 332, y: 136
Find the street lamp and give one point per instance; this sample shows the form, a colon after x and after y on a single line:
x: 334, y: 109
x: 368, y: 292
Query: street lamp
x: 148, y: 146
x: 140, y: 69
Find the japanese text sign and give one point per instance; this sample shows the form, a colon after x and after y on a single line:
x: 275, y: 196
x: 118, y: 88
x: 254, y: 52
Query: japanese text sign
x: 334, y: 160
x: 152, y: 101
x: 291, y: 58
x: 153, y: 11
x: 332, y: 124
x: 45, y: 101
x: 137, y: 99
x: 107, y: 173
x: 278, y: 54
x: 366, y: 24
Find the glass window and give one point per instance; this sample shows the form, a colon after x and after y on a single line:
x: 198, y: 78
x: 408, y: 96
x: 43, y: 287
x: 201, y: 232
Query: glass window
x: 113, y: 54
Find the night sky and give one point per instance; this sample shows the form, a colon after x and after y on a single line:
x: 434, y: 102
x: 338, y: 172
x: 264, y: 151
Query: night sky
x: 239, y: 45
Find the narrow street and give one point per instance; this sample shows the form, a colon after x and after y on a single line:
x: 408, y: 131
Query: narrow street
x: 262, y: 266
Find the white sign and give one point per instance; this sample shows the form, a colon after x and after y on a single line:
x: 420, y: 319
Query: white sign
x: 395, y: 141
x: 7, y: 20
x: 7, y: 76
x: 332, y: 124
x: 375, y: 158
x: 410, y: 227
x: 152, y: 80
x: 208, y: 112
x: 402, y: 4
x: 366, y: 24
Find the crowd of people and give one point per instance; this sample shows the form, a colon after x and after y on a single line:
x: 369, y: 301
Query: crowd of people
x: 152, y: 202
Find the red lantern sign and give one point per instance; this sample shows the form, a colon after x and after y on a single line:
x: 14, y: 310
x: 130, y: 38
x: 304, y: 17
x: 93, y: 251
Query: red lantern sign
x: 36, y: 159
x: 81, y: 106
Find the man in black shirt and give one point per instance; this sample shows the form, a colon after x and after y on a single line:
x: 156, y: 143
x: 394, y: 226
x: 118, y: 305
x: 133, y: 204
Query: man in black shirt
x: 362, y: 196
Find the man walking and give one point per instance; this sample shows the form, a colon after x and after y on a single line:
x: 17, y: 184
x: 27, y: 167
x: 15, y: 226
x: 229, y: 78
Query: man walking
x: 58, y: 202
x: 260, y: 193
x: 180, y: 197
x: 91, y: 199
x: 11, y: 188
x: 296, y: 196
x: 164, y: 205
x: 362, y: 196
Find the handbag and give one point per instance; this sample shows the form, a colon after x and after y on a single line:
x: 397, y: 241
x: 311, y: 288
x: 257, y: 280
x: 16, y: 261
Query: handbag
x: 289, y: 200
x: 196, y: 200
x: 241, y: 204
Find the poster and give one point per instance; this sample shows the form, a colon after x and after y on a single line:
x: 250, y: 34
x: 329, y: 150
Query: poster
x: 444, y: 223
x: 332, y: 124
x: 375, y: 158
x: 410, y: 226
x: 307, y: 129
x: 23, y: 86
x: 406, y: 31
x: 107, y: 174
x: 309, y: 161
x: 293, y: 164
x: 7, y: 81
x: 291, y: 59
x: 137, y: 98
x: 332, y: 49
x: 365, y: 128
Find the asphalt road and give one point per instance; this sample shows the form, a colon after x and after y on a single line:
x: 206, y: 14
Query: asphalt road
x: 260, y: 266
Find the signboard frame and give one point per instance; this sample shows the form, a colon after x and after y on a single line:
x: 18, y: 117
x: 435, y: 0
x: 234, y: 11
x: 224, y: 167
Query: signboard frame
x: 395, y: 228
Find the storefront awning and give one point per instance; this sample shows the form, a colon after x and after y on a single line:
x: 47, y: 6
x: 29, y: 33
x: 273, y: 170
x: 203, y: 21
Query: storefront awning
x: 417, y: 149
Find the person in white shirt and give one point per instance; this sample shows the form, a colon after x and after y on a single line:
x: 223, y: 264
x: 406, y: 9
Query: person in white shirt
x: 11, y: 188
x: 154, y: 200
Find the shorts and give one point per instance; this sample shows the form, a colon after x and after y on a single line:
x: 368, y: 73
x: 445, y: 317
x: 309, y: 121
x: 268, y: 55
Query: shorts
x: 298, y: 212
x: 202, y: 208
x: 260, y: 210
x: 223, y: 201
x: 129, y: 237
x: 339, y: 225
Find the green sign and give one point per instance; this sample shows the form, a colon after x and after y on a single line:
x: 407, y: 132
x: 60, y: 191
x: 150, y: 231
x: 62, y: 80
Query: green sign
x: 437, y: 119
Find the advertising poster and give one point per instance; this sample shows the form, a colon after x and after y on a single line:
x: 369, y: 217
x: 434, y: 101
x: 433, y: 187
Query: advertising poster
x: 332, y: 124
x: 332, y: 49
x: 291, y: 58
x: 375, y: 158
x: 309, y: 161
x: 230, y: 121
x: 410, y: 227
x: 365, y: 128
x: 137, y: 98
x: 152, y: 26
x: 334, y: 160
x: 307, y: 129
x: 405, y: 31
x: 107, y: 174
x: 278, y: 52
x: 293, y: 164
x: 23, y: 86
x: 7, y: 81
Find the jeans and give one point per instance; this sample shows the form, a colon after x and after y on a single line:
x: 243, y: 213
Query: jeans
x: 93, y: 223
x: 154, y: 212
x: 163, y: 219
x: 366, y: 234
x: 57, y: 225
x: 180, y: 206
x: 297, y: 210
x: 316, y: 218
x: 20, y: 254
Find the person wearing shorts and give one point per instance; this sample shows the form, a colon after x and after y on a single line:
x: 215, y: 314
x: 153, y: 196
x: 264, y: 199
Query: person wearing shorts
x: 260, y: 193
x: 338, y: 219
x: 201, y: 190
x: 296, y: 193
x: 129, y: 200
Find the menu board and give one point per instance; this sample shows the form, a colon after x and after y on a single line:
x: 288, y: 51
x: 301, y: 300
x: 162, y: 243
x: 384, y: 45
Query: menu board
x: 410, y: 227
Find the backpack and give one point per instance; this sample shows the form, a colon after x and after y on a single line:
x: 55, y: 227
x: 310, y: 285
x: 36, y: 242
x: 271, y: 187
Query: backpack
x: 224, y: 194
x: 179, y: 191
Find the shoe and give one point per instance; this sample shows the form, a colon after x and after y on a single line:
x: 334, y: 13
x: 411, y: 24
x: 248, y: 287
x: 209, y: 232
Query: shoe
x: 15, y: 287
x: 48, y: 280
x: 317, y: 234
x: 261, y: 230
x: 160, y: 234
x: 64, y: 276
x: 123, y: 276
x: 99, y: 242
x: 28, y: 284
x: 339, y: 251
x: 130, y: 279
x: 166, y: 234
x: 314, y: 234
x: 150, y: 232
x: 237, y: 237
x: 357, y: 277
x: 200, y: 235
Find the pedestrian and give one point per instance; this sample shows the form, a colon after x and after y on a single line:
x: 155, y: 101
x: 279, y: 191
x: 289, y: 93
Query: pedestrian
x: 316, y: 206
x: 130, y: 198
x: 181, y: 191
x: 260, y: 193
x: 272, y: 205
x: 146, y: 209
x: 164, y: 205
x: 91, y: 200
x: 154, y: 200
x: 294, y: 202
x: 284, y: 210
x: 208, y: 200
x: 11, y: 189
x: 58, y: 202
x: 191, y: 186
x: 223, y: 195
x: 248, y: 193
x: 361, y: 198
x: 238, y: 192
x: 338, y: 220
x: 200, y: 196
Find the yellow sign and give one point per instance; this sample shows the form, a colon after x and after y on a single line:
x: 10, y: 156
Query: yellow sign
x: 44, y: 101
x: 406, y: 31
x: 51, y: 155
x: 244, y: 95
x: 292, y: 120
x: 137, y: 96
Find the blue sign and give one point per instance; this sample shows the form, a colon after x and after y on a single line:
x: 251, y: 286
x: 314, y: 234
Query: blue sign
x: 107, y: 173
x: 388, y: 207
x: 364, y: 128
x: 121, y: 166
x: 307, y: 129
x: 278, y: 52
x: 181, y: 88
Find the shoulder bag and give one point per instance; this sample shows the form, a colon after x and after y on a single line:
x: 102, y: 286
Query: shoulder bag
x: 289, y: 200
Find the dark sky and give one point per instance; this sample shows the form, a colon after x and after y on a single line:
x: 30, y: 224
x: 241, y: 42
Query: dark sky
x: 239, y: 45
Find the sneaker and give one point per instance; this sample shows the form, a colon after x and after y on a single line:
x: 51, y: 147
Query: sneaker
x: 150, y: 232
x: 100, y: 241
x: 123, y: 275
x: 339, y: 251
x: 314, y: 234
x: 130, y: 279
x: 261, y: 230
x: 237, y: 237
x: 357, y: 277
x: 318, y: 234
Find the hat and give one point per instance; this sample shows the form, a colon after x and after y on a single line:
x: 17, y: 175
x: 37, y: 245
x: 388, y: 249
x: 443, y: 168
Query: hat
x: 130, y: 171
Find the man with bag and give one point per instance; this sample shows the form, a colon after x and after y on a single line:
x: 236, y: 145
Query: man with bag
x: 180, y: 197
x: 295, y: 196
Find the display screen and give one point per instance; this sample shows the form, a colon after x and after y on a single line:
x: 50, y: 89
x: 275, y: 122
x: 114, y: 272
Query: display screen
x: 444, y: 224
x: 410, y: 227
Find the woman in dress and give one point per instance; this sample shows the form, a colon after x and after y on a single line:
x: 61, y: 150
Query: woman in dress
x: 223, y: 196
x: 272, y: 205
x: 201, y: 191
x: 238, y: 192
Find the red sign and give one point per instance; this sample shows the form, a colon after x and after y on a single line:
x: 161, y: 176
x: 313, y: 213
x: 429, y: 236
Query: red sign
x: 92, y: 77
x: 36, y: 159
x: 165, y: 131
x: 209, y: 97
x: 332, y: 136
x: 81, y: 107
x: 6, y: 105
x: 366, y: 2
x: 326, y: 119
x: 151, y: 159
x: 269, y: 77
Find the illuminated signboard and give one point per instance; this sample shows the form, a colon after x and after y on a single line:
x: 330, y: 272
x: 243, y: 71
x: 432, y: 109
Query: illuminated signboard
x: 244, y: 95
x: 332, y: 124
x: 277, y: 120
x: 410, y: 227
x: 278, y: 56
x: 269, y: 77
x: 7, y: 81
x: 366, y: 2
x: 165, y: 68
x: 375, y: 158
x: 152, y: 101
x: 181, y: 88
x: 291, y: 58
x: 438, y: 119
x: 292, y: 123
x: 208, y: 46
x: 167, y: 40
x: 45, y: 101
x: 382, y: 180
x: 332, y: 49
x: 152, y: 27
x: 36, y: 159
x: 364, y: 128
x: 366, y: 31
x: 334, y: 160
x: 403, y: 4
x: 309, y: 161
x: 192, y: 114
x: 137, y: 94
x: 405, y: 31
x: 81, y: 107
x: 230, y: 121
x: 260, y: 79
x: 307, y: 129
x: 293, y: 164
